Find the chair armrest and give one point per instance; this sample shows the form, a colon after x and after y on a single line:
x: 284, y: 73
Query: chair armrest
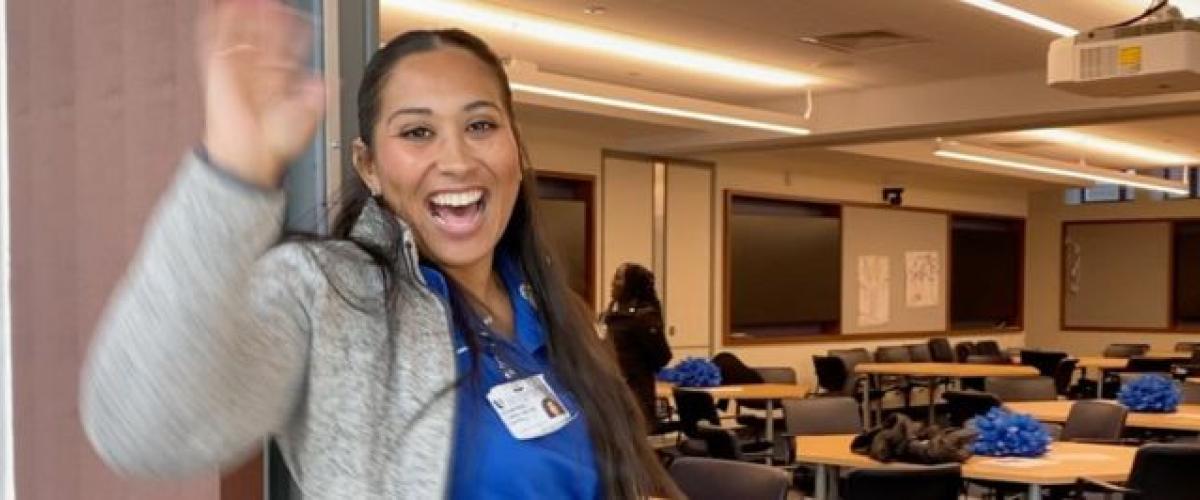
x: 1086, y: 484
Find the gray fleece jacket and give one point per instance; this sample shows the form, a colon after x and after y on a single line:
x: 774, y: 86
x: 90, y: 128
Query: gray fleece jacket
x: 218, y: 336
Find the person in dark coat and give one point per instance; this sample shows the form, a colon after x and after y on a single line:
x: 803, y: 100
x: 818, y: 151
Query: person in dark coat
x: 634, y: 323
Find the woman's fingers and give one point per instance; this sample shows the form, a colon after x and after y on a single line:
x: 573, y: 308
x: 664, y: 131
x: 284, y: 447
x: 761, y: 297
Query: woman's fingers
x: 261, y: 103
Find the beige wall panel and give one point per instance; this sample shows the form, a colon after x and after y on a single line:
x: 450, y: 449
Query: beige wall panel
x: 892, y: 233
x: 688, y: 280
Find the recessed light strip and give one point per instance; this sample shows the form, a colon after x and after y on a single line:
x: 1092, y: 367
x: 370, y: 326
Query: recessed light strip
x: 1113, y: 147
x: 1018, y: 162
x: 660, y: 110
x: 1026, y: 17
x: 563, y: 34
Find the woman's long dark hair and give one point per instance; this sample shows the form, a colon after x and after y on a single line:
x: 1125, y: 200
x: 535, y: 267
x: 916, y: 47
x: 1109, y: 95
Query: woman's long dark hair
x: 628, y: 468
x: 637, y: 288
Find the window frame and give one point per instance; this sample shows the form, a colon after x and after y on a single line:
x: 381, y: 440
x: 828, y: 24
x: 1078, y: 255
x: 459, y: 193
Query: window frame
x: 1021, y: 261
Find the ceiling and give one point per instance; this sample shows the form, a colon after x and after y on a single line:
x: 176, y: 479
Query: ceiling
x: 957, y: 68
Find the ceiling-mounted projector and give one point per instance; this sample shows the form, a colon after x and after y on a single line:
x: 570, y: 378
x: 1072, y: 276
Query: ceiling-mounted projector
x: 1157, y: 57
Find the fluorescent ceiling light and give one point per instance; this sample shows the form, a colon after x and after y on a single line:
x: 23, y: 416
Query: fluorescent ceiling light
x: 1023, y: 16
x: 660, y: 110
x: 1113, y: 147
x: 564, y: 34
x: 1044, y: 166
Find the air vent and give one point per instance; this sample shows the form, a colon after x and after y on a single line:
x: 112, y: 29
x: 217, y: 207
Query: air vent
x: 862, y: 41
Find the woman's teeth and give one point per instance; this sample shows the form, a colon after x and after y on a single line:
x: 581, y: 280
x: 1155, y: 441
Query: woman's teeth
x: 457, y: 199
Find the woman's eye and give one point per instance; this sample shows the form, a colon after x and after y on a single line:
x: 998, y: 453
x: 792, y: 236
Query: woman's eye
x: 481, y: 126
x: 417, y: 133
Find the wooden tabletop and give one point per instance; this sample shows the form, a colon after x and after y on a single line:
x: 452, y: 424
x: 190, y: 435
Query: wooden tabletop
x: 1185, y: 418
x: 1063, y: 464
x: 754, y: 391
x: 663, y: 389
x: 1119, y: 363
x: 945, y: 370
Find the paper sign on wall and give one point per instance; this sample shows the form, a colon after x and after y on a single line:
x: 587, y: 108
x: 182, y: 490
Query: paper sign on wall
x: 873, y: 294
x: 922, y: 275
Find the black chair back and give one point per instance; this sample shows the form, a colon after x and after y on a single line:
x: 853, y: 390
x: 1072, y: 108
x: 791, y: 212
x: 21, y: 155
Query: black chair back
x: 965, y: 405
x: 777, y: 374
x: 892, y: 354
x: 1125, y: 350
x: 693, y: 407
x: 1187, y: 347
x: 919, y: 353
x: 1015, y: 389
x: 988, y: 348
x: 831, y: 374
x: 1190, y: 393
x: 1094, y: 421
x: 936, y: 482
x: 986, y: 359
x: 821, y: 416
x: 712, y: 479
x: 771, y: 375
x: 1063, y: 375
x: 964, y: 350
x: 1150, y: 365
x: 851, y: 358
x: 1165, y: 471
x: 941, y: 351
x: 1044, y: 361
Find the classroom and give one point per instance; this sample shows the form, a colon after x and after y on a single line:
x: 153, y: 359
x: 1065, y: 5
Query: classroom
x: 918, y: 250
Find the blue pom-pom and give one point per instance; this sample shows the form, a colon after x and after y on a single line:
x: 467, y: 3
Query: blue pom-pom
x: 1150, y: 393
x: 692, y: 372
x: 1002, y: 433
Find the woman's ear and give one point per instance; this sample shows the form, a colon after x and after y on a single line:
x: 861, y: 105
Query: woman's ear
x: 364, y: 164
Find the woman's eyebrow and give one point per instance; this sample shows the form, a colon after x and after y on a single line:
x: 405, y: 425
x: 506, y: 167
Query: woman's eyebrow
x: 426, y: 111
x: 480, y: 104
x: 408, y: 111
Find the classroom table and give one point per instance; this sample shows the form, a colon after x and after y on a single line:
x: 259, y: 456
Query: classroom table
x: 936, y: 371
x: 1185, y: 418
x: 768, y: 392
x: 1102, y: 364
x: 1063, y: 464
x: 663, y: 389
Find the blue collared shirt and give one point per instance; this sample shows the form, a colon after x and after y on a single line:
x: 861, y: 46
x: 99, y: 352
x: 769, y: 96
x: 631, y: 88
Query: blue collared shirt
x: 488, y: 461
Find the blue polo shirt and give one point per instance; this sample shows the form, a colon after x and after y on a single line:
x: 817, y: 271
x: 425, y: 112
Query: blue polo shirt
x: 488, y: 462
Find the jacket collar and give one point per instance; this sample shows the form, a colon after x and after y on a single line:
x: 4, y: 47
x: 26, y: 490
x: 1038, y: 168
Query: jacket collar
x: 381, y: 231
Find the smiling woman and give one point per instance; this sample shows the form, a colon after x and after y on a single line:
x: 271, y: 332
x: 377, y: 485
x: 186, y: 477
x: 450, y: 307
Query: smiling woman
x: 394, y: 359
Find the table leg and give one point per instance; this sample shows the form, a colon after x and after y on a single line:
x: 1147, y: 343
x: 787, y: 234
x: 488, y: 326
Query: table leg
x: 833, y: 477
x: 821, y: 483
x: 1035, y: 492
x: 1100, y: 384
x: 933, y: 384
x: 770, y: 432
x: 866, y: 402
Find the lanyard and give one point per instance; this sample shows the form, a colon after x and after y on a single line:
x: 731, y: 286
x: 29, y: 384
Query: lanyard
x: 508, y: 369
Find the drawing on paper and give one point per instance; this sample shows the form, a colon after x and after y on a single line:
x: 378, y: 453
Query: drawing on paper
x: 873, y: 290
x: 922, y: 275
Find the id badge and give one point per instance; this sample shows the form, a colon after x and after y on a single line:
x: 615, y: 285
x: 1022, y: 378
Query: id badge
x: 528, y: 407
